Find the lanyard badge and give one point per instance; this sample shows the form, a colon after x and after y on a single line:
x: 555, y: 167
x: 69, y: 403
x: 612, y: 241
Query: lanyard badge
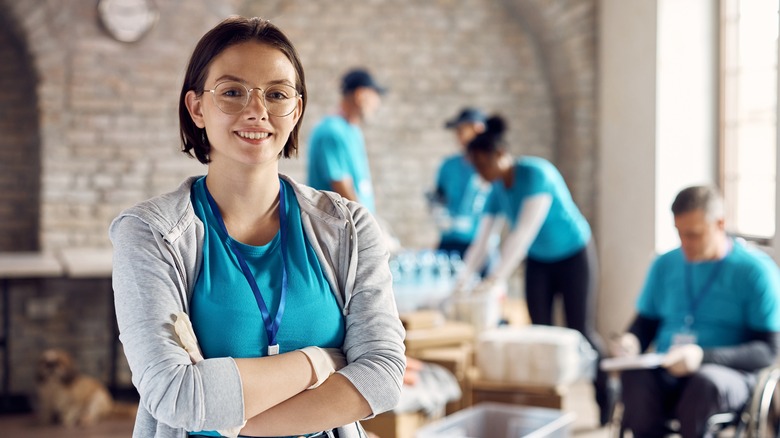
x: 687, y: 335
x: 271, y: 324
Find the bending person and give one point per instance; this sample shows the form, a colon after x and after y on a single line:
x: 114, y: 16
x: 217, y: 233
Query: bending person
x: 271, y: 273
x: 548, y: 229
x: 460, y: 194
x: 713, y: 306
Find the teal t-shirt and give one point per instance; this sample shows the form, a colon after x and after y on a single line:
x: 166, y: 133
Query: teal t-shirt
x: 225, y: 316
x: 744, y: 294
x: 465, y: 194
x: 564, y: 231
x: 337, y: 151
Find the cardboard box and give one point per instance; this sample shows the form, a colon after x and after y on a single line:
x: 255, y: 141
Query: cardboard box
x: 393, y: 425
x: 482, y: 390
x: 457, y: 360
x: 449, y: 334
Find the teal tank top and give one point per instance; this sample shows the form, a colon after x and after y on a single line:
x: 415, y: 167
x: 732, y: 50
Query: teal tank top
x: 225, y: 316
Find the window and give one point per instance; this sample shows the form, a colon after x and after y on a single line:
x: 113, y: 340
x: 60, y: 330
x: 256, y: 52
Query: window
x: 749, y: 34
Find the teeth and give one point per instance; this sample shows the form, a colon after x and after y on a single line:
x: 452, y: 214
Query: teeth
x: 254, y: 135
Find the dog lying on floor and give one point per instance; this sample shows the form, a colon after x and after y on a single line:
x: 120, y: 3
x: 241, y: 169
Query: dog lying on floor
x: 71, y: 398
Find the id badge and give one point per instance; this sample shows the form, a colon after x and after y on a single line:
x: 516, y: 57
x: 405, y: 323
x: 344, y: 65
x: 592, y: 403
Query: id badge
x: 684, y: 337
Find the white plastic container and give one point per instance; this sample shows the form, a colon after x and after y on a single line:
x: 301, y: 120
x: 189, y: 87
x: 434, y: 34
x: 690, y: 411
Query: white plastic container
x: 534, y: 355
x: 481, y: 311
x: 498, y: 420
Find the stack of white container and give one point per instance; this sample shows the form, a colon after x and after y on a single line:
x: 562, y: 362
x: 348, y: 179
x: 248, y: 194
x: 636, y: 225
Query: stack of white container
x: 534, y: 355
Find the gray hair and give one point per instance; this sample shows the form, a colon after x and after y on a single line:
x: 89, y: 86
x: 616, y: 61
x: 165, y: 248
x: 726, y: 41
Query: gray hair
x: 705, y: 198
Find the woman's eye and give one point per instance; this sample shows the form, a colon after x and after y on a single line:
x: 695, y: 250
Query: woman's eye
x: 276, y: 95
x: 233, y: 92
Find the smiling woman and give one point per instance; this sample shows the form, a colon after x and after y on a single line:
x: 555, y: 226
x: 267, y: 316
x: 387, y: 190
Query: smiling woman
x: 240, y: 130
x: 216, y: 284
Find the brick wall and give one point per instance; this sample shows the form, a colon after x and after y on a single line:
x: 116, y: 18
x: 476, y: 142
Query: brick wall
x: 435, y: 57
x: 106, y: 134
x: 19, y: 144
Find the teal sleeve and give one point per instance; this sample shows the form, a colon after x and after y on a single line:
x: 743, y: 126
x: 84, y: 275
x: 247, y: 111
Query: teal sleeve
x: 332, y: 158
x: 493, y: 203
x: 764, y: 308
x: 537, y: 181
x: 646, y: 303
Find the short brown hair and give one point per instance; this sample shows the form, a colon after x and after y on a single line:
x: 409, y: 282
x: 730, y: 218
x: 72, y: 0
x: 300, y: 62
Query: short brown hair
x: 704, y: 198
x: 229, y: 32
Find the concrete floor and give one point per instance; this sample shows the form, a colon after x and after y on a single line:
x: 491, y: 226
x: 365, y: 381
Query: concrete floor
x: 578, y: 400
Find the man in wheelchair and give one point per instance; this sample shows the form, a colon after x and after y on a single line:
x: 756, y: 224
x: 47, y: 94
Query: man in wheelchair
x: 712, y: 307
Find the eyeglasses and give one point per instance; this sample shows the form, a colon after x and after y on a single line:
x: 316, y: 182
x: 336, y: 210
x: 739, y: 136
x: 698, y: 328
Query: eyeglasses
x: 232, y: 97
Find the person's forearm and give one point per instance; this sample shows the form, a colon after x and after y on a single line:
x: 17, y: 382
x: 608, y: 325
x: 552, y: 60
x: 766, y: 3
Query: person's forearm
x: 335, y: 403
x: 477, y: 251
x: 759, y: 353
x: 345, y: 188
x: 530, y: 218
x: 747, y: 357
x: 268, y: 381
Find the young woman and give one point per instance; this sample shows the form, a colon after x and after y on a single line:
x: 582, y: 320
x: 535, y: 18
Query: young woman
x: 547, y: 228
x: 279, y: 280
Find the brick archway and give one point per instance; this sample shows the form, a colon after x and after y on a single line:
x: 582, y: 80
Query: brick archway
x: 20, y: 144
x: 565, y: 39
x: 103, y: 140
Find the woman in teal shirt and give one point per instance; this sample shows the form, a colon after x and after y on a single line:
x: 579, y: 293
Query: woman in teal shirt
x: 547, y: 228
x: 287, y: 288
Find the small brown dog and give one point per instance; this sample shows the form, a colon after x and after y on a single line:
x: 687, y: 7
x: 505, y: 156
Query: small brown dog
x: 68, y: 397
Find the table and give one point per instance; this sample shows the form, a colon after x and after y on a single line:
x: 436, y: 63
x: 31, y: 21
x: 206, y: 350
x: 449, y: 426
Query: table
x: 87, y: 262
x: 19, y: 266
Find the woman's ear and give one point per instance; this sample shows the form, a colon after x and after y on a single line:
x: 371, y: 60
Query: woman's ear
x: 195, y: 107
x: 297, y: 112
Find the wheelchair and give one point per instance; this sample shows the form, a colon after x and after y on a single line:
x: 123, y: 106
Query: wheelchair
x: 759, y: 418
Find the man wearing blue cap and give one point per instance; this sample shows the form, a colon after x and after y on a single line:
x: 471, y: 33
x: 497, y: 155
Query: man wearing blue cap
x: 337, y: 151
x: 460, y: 193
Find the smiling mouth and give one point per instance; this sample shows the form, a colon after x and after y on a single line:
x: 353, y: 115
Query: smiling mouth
x: 254, y: 135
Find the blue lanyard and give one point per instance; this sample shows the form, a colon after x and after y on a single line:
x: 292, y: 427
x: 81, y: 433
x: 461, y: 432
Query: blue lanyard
x: 696, y: 299
x: 271, y: 326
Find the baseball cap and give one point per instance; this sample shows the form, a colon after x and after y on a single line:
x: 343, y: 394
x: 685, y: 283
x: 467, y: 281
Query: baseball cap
x: 467, y: 115
x: 357, y: 78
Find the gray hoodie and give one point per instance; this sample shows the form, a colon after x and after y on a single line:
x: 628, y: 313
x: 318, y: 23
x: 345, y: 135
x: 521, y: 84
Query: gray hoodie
x: 157, y: 257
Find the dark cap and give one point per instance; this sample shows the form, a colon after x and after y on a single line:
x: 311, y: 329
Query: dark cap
x: 467, y: 115
x: 357, y: 78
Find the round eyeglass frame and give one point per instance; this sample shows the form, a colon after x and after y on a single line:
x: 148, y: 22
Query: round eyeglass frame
x: 249, y: 91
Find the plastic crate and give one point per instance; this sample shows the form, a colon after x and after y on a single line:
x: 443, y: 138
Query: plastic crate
x: 498, y: 420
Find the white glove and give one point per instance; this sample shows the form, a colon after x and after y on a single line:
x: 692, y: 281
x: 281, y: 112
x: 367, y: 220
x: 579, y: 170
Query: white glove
x: 490, y: 287
x: 324, y: 362
x: 683, y: 360
x: 183, y: 328
x: 623, y: 345
x: 465, y: 282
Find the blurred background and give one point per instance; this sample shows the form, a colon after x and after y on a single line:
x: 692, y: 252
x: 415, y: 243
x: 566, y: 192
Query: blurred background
x: 631, y: 99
